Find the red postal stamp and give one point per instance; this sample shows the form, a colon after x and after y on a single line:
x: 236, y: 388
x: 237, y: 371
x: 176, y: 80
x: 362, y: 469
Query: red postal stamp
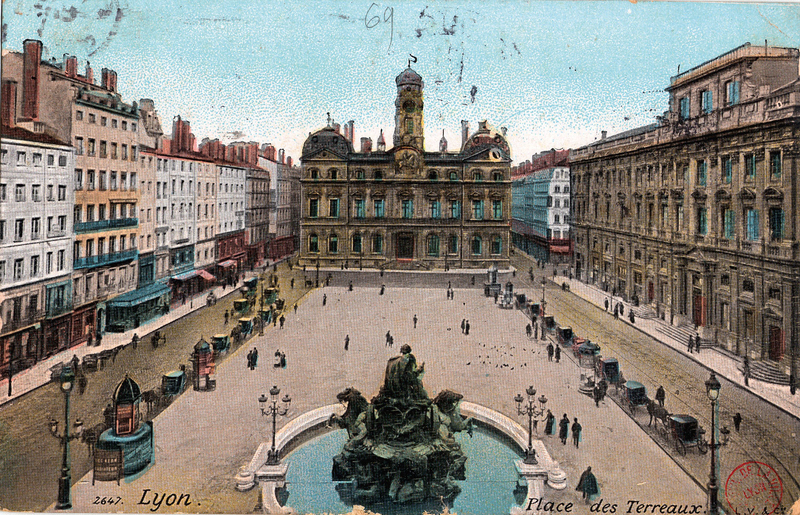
x: 754, y: 488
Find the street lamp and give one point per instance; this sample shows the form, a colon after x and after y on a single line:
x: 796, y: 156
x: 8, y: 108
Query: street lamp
x: 272, y: 456
x: 531, y: 411
x: 67, y: 380
x: 317, y: 279
x: 712, y: 390
x: 544, y: 303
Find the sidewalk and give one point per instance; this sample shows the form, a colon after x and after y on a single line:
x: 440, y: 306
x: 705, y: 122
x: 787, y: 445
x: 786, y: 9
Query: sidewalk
x: 39, y: 374
x: 722, y: 364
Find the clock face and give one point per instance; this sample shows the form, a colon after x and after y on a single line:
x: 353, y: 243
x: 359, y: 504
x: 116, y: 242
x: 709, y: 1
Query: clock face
x: 66, y: 386
x: 409, y: 106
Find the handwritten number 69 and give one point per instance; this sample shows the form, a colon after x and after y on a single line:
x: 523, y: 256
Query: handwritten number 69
x: 388, y: 17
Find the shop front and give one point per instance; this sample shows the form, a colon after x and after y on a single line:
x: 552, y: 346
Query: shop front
x: 136, y: 307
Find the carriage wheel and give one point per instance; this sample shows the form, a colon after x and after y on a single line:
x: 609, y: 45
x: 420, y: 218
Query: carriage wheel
x: 702, y: 446
x: 680, y: 446
x: 662, y: 430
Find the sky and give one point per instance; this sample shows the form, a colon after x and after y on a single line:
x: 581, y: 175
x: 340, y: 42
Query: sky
x: 554, y: 73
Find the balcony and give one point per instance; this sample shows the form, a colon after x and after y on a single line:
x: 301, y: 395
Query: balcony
x: 18, y: 322
x: 105, y: 259
x: 101, y: 225
x: 57, y: 310
x: 56, y: 233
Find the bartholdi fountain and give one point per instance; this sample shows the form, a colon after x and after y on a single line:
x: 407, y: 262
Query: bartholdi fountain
x: 400, y: 445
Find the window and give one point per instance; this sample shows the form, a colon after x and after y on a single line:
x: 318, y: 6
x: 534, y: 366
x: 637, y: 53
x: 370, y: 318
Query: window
x: 78, y: 179
x: 707, y: 99
x: 101, y: 211
x: 732, y: 92
x: 90, y: 213
x: 727, y: 169
x: 477, y: 210
x: 103, y: 121
x: 124, y: 125
x: 408, y: 208
x: 748, y: 286
x: 313, y: 243
x: 497, y: 209
x: 729, y: 223
x: 476, y: 245
x: 497, y: 176
x: 776, y: 220
x: 477, y: 177
x: 79, y: 115
x: 453, y: 244
x: 333, y: 244
x: 453, y: 176
x: 377, y: 244
x: 2, y: 270
x: 357, y: 243
x: 702, y: 221
x: 749, y: 167
x: 62, y: 222
x: 775, y: 165
x: 455, y: 209
x: 79, y: 146
x: 61, y: 260
x: 62, y: 160
x: 701, y: 172
x: 103, y: 180
x: 684, y: 108
x: 4, y: 156
x: 313, y: 207
x: 92, y: 118
x: 19, y: 193
x: 333, y: 212
x: 359, y: 208
x: 103, y: 149
x: 124, y: 155
x: 21, y: 158
x: 19, y: 229
x: 379, y: 211
x: 497, y: 245
x: 113, y: 180
x: 114, y: 154
x: 334, y: 174
x: 436, y: 209
x: 37, y: 159
x: 314, y: 174
x: 409, y: 125
x: 36, y: 224
x: 360, y: 175
x: 19, y: 268
x: 556, y: 219
x: 433, y: 245
x: 751, y: 218
x: 3, y: 193
x: 2, y: 231
x: 378, y: 175
x: 90, y: 176
x: 90, y: 148
x: 62, y: 192
x: 433, y: 176
x: 36, y: 192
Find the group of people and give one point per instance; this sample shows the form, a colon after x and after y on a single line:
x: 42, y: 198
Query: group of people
x: 563, y: 428
x: 252, y: 359
x: 694, y: 343
x: 280, y: 359
x: 389, y: 339
x: 465, y: 326
x: 449, y: 291
x: 553, y: 351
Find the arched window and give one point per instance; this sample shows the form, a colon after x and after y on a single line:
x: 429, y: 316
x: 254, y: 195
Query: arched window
x: 433, y: 245
x: 360, y: 175
x: 313, y: 243
x: 378, y: 175
x: 453, y: 176
x: 477, y: 176
x: 498, y: 176
x: 433, y: 176
x: 497, y: 245
x: 476, y: 245
x: 334, y: 173
x: 314, y: 175
x: 333, y: 244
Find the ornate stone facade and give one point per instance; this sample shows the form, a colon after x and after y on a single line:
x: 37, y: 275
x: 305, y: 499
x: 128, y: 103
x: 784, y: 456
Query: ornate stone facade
x: 405, y: 207
x: 698, y: 215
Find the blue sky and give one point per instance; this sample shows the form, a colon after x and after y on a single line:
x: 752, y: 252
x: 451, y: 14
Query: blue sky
x: 554, y: 73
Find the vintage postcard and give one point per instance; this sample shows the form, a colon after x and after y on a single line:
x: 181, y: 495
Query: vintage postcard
x: 398, y: 257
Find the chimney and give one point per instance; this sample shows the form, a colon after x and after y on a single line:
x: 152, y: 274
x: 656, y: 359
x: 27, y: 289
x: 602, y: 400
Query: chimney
x: 366, y: 145
x: 464, y: 132
x: 603, y: 134
x: 443, y: 143
x: 381, y: 142
x: 289, y: 161
x: 89, y: 73
x: 70, y: 66
x: 281, y: 154
x: 8, y: 107
x: 104, y: 78
x: 351, y: 132
x: 112, y: 80
x: 30, y: 78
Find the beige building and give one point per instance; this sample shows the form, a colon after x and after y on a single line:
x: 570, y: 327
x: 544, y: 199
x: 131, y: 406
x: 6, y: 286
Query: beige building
x: 697, y: 216
x: 405, y: 207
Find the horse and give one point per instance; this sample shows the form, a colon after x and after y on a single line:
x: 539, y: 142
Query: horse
x: 657, y: 412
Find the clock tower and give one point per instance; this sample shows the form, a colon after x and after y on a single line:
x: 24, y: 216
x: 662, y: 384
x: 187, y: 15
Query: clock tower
x: 408, y: 118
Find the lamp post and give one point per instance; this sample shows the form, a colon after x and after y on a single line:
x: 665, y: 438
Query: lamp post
x: 274, y: 411
x: 712, y: 390
x: 67, y: 380
x: 544, y: 303
x: 317, y: 278
x: 531, y: 411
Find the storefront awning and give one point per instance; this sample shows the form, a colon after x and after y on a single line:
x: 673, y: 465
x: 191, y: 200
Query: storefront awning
x: 185, y: 276
x: 205, y: 275
x: 226, y: 264
x: 136, y: 297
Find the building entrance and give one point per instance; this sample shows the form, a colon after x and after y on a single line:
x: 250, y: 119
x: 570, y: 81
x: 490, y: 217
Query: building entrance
x: 405, y: 246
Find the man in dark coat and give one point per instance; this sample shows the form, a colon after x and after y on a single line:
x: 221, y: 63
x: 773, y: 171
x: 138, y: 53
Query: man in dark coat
x: 528, y: 330
x: 549, y: 423
x: 347, y: 342
x: 550, y: 351
x: 254, y: 359
x: 466, y: 328
x: 661, y: 395
x: 690, y: 344
x: 535, y: 331
x: 606, y: 304
x: 588, y: 485
x: 697, y: 342
x: 415, y: 321
x: 558, y: 353
x: 563, y: 428
x: 597, y: 394
x: 737, y: 421
x: 746, y: 371
x: 463, y: 324
x: 576, y: 432
x: 324, y: 298
x: 282, y: 320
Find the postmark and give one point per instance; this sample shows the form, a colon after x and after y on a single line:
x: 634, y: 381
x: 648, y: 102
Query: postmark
x: 754, y: 487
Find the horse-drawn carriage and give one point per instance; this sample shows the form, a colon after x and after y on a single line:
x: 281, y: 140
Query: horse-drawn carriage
x: 582, y: 346
x: 173, y: 383
x: 608, y: 369
x: 246, y: 325
x: 270, y: 295
x: 221, y: 343
x: 564, y: 335
x: 686, y: 432
x: 251, y: 283
x: 635, y: 395
x: 549, y: 323
x: 241, y: 306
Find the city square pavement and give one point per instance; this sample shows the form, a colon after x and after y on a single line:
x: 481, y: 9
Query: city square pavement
x: 203, y: 438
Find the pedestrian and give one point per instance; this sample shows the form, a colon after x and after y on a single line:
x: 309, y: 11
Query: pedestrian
x: 277, y: 363
x: 254, y: 362
x: 621, y: 309
x: 452, y: 295
x: 550, y: 351
x: 383, y: 288
x: 347, y: 342
x: 697, y: 342
x: 691, y: 343
x: 587, y: 484
x: 283, y: 360
x: 597, y: 394
x: 466, y: 328
x: 291, y: 283
x: 616, y: 311
x: 495, y: 297
x: 746, y: 371
x: 473, y: 280
x: 558, y: 353
x: 528, y: 330
x: 415, y: 320
x: 391, y: 341
x: 549, y: 423
x: 227, y: 315
x: 563, y: 428
x: 631, y: 317
x: 282, y: 320
x: 661, y: 395
x: 90, y: 342
x: 606, y: 304
x: 350, y: 286
x: 463, y: 324
x: 295, y: 308
x: 388, y: 337
x: 324, y: 298
x: 535, y: 331
x: 250, y: 360
x: 576, y: 432
x: 737, y: 421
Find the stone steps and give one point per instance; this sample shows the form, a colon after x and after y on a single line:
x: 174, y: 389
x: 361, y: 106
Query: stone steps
x: 767, y: 372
